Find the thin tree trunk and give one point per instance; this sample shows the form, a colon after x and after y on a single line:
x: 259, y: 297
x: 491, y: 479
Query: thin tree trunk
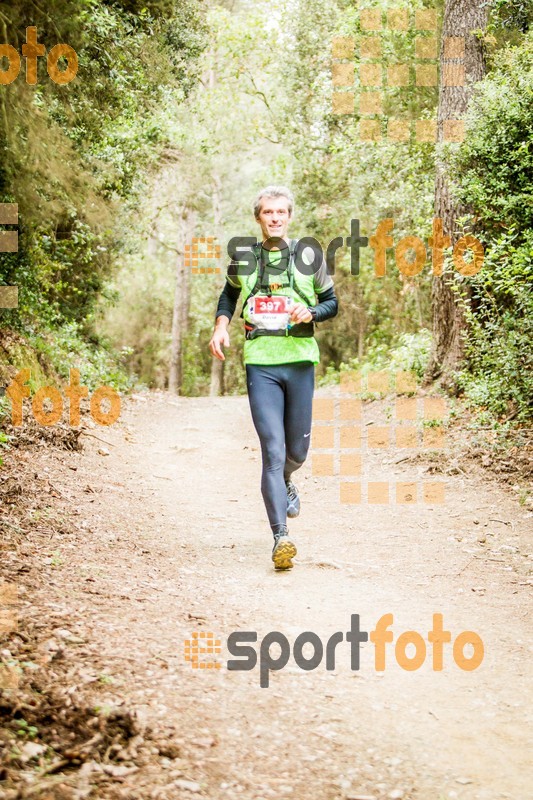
x: 182, y: 297
x: 216, y: 386
x: 361, y: 323
x: 461, y: 19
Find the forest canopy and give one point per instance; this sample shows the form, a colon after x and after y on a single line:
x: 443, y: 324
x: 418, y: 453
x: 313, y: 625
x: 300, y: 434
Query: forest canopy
x: 180, y: 112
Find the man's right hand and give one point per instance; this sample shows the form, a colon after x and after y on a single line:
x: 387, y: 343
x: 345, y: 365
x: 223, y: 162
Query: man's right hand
x: 219, y: 339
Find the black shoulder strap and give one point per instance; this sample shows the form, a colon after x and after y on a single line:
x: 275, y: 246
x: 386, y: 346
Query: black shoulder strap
x: 293, y: 243
x: 294, y: 286
x: 257, y: 283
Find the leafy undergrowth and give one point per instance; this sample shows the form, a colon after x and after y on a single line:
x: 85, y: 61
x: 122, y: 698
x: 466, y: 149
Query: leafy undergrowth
x: 501, y: 451
x: 65, y: 734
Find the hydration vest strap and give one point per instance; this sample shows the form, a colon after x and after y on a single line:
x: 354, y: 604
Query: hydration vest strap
x: 300, y: 331
x: 293, y: 243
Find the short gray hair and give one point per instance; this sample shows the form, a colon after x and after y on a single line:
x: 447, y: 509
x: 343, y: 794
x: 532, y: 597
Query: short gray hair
x: 273, y: 191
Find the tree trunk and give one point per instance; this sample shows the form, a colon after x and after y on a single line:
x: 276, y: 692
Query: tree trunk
x: 461, y: 19
x: 216, y: 386
x: 182, y: 297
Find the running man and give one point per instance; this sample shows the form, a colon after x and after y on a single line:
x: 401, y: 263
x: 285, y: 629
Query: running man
x: 284, y: 294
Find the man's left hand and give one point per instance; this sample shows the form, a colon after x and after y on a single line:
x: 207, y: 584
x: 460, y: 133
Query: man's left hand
x: 300, y: 313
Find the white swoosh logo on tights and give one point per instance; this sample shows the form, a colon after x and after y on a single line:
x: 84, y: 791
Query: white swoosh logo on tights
x: 306, y: 435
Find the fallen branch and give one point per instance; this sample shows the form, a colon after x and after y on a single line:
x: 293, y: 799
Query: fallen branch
x: 84, y: 433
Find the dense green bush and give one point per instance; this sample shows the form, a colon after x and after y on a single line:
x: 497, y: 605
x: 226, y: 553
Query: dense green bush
x: 494, y: 166
x: 500, y: 315
x: 494, y: 175
x: 76, y: 158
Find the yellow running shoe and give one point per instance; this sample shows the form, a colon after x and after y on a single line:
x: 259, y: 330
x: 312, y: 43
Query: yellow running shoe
x: 284, y: 549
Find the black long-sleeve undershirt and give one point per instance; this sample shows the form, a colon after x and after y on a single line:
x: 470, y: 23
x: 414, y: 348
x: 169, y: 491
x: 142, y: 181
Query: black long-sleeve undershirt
x: 326, y: 308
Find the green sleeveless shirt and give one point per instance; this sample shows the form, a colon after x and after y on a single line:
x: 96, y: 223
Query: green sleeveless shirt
x: 270, y: 350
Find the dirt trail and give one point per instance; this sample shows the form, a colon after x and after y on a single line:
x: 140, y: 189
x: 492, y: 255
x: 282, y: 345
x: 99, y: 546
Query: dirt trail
x: 177, y: 542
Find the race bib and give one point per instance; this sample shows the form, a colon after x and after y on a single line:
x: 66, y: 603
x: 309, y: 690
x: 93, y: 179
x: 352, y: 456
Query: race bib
x: 270, y: 313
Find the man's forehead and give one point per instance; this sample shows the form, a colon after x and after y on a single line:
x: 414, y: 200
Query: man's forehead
x: 271, y: 200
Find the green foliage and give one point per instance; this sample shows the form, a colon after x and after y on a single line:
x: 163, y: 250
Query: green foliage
x: 114, y: 171
x: 494, y: 166
x: 25, y: 730
x: 410, y: 353
x: 64, y: 349
x: 76, y: 158
x: 512, y: 14
x: 4, y: 437
x: 494, y: 174
x: 138, y: 321
x: 499, y: 377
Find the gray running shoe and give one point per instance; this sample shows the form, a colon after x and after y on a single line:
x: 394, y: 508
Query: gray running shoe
x: 293, y: 500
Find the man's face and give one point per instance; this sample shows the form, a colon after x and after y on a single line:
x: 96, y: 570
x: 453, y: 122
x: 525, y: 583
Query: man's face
x: 274, y: 217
